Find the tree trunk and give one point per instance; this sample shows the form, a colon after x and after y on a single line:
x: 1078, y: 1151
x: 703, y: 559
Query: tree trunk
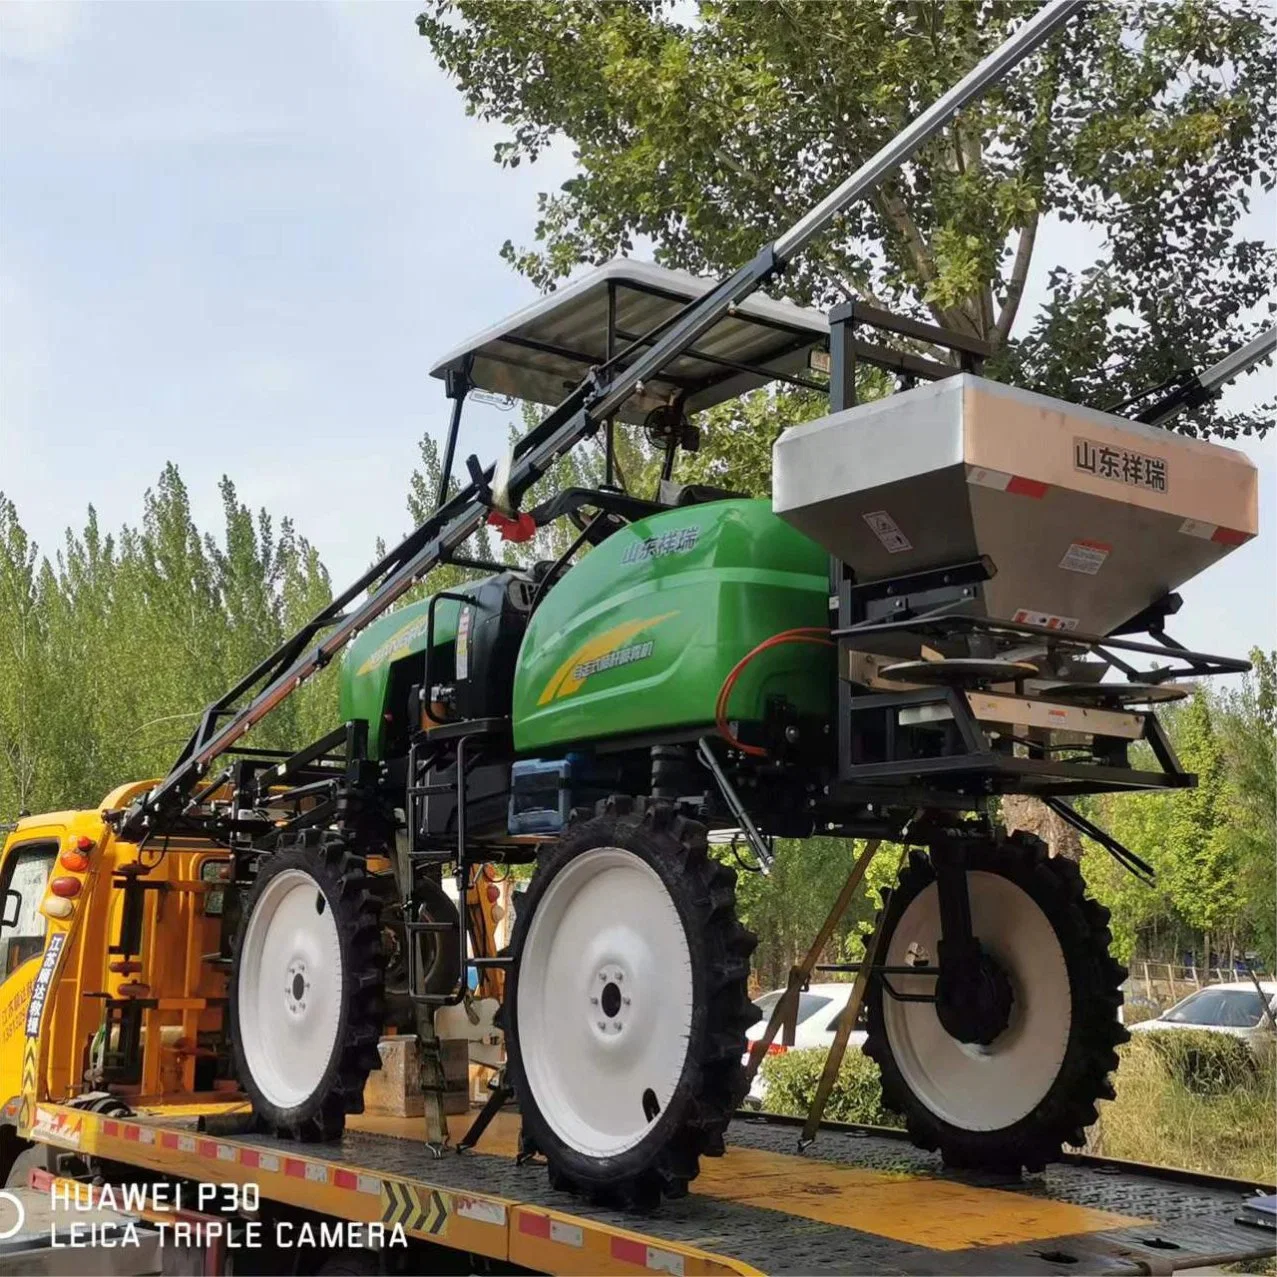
x: 1019, y: 811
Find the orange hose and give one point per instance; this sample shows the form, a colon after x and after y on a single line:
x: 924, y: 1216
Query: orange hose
x: 803, y: 634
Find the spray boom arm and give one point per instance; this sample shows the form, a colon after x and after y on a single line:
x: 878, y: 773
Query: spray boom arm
x: 578, y: 416
x: 1199, y: 388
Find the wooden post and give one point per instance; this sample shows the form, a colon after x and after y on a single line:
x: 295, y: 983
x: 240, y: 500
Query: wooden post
x: 833, y: 1061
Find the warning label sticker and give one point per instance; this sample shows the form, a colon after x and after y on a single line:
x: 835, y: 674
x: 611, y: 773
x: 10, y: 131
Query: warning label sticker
x: 1085, y: 556
x: 887, y: 531
x: 1048, y: 620
x: 1196, y: 528
x: 462, y: 656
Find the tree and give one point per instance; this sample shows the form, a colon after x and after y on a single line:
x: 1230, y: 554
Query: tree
x: 1147, y: 122
x: 22, y: 662
x: 1248, y: 731
x: 1211, y: 846
x: 423, y: 489
x: 110, y: 650
x: 786, y: 908
x: 705, y: 136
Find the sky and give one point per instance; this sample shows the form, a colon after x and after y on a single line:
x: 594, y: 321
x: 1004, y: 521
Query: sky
x: 237, y: 236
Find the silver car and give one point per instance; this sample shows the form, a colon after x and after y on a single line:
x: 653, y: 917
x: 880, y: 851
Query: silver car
x: 1236, y: 1009
x: 819, y: 1013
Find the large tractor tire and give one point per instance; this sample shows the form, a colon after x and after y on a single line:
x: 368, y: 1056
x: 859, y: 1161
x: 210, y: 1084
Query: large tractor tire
x: 306, y: 988
x: 627, y: 1005
x: 1011, y: 1104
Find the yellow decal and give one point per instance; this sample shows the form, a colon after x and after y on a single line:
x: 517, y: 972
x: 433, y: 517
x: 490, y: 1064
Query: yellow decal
x: 567, y: 679
x: 397, y: 644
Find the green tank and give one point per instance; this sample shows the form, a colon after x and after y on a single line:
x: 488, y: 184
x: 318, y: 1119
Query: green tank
x: 640, y: 634
x: 636, y: 638
x: 372, y: 665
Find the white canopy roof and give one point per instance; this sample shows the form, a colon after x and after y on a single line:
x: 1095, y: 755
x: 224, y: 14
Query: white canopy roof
x: 541, y: 351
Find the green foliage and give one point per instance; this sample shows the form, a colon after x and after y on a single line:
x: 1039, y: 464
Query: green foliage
x: 786, y: 908
x: 1247, y: 718
x: 1211, y: 846
x: 737, y: 437
x: 1206, y: 1063
x: 790, y: 1081
x: 706, y: 134
x: 117, y: 642
x: 423, y: 489
x: 111, y: 647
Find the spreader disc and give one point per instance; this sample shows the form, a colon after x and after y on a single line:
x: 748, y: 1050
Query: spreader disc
x: 1116, y: 693
x: 959, y: 671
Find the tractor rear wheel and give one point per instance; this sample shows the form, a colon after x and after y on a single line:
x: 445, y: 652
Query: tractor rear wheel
x: 1014, y: 1102
x: 627, y: 1005
x: 306, y: 988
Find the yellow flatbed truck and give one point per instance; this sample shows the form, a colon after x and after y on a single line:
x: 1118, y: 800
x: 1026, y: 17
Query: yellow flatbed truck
x: 860, y: 1201
x: 111, y: 1012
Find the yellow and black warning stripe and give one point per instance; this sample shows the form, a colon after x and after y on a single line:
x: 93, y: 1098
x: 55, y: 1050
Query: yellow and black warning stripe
x: 418, y: 1210
x: 26, y: 1108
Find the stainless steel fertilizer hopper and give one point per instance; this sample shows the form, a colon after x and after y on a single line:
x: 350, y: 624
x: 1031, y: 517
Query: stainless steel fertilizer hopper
x: 1083, y: 519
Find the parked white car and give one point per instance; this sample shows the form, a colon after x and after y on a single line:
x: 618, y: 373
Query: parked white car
x: 818, y: 1012
x: 1236, y: 1009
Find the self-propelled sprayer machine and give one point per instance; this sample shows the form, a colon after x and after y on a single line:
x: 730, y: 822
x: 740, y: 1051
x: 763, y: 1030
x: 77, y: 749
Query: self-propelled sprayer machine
x: 934, y: 610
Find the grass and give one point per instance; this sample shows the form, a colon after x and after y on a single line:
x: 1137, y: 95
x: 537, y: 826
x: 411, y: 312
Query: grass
x: 1181, y: 1101
x: 1232, y: 1130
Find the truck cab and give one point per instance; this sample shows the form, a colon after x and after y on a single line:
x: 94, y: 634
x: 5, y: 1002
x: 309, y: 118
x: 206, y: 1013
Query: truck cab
x: 110, y: 979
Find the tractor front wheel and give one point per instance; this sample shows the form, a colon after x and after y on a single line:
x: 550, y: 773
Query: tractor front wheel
x: 307, y: 988
x: 627, y: 1005
x: 1010, y: 1102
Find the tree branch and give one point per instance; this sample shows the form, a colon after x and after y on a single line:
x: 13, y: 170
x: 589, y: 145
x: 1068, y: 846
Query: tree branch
x: 1015, y: 287
x: 893, y: 209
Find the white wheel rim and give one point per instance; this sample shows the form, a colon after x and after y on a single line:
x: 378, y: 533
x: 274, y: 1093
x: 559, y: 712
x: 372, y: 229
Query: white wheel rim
x: 604, y: 1001
x: 982, y: 1088
x: 290, y: 988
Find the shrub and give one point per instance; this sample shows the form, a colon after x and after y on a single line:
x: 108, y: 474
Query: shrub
x: 1204, y: 1063
x: 1157, y: 1118
x: 790, y: 1081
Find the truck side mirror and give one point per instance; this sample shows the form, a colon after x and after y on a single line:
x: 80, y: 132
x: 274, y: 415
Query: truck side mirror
x: 12, y: 908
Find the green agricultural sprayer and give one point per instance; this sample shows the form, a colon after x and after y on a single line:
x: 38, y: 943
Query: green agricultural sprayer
x: 934, y: 610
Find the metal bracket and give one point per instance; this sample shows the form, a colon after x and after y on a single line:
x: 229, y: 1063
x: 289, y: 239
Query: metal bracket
x: 756, y: 841
x: 500, y: 1095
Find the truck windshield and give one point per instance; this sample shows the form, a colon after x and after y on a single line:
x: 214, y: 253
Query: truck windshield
x: 22, y: 932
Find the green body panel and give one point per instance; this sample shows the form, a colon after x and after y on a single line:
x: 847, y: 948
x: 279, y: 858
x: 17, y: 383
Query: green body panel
x: 641, y: 633
x: 366, y: 663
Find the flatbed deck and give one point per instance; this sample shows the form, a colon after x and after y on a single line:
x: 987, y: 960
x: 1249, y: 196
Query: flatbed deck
x: 861, y: 1200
